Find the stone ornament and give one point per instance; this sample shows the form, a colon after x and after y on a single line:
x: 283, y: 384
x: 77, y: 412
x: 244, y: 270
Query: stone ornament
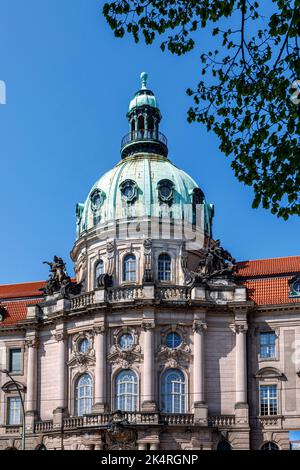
x: 82, y: 359
x: 173, y: 358
x: 97, y: 198
x: 32, y: 342
x: 129, y: 191
x: 239, y: 327
x: 124, y: 357
x: 148, y: 263
x: 214, y: 261
x: 59, y: 280
x: 199, y: 326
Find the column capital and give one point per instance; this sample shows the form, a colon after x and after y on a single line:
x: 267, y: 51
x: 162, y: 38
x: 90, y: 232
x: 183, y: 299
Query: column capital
x: 239, y: 327
x: 32, y: 342
x: 60, y: 336
x: 146, y: 326
x: 99, y: 329
x: 199, y: 326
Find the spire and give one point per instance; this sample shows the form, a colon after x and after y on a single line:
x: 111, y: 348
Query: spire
x: 144, y: 119
x: 144, y: 78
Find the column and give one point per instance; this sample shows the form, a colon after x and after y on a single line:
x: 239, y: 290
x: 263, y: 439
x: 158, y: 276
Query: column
x: 59, y: 411
x: 148, y: 403
x: 61, y: 369
x: 32, y: 345
x: 241, y: 406
x: 100, y: 371
x: 200, y: 407
x: 241, y: 363
x: 199, y: 389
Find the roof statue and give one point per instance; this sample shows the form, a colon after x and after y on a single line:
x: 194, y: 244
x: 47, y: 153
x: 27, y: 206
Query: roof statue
x: 214, y: 262
x: 59, y: 280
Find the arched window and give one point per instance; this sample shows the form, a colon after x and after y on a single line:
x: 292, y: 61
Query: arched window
x: 141, y: 124
x: 129, y: 268
x: 126, y: 391
x: 269, y: 446
x: 173, y: 391
x: 223, y: 445
x: 150, y: 123
x: 84, y: 395
x: 164, y: 267
x: 99, y: 269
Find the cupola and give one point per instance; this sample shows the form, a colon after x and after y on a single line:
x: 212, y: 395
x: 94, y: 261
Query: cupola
x: 144, y: 118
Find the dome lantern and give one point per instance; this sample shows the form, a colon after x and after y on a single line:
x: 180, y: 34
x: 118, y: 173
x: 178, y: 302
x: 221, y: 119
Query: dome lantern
x: 144, y: 117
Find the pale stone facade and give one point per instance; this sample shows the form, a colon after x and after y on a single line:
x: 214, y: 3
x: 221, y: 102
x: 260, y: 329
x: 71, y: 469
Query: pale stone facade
x: 218, y: 355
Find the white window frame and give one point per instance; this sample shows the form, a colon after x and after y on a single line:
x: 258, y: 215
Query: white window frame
x: 268, y: 400
x: 130, y: 394
x: 16, y: 411
x: 86, y: 397
x: 182, y: 393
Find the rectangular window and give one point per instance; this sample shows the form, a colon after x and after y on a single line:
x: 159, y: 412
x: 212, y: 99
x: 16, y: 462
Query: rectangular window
x: 14, y: 411
x: 268, y: 400
x: 267, y: 345
x: 15, y: 360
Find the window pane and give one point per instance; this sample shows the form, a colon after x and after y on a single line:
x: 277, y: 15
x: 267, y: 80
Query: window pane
x: 14, y: 410
x: 268, y: 400
x: 129, y: 268
x: 84, y: 395
x: 267, y: 344
x: 126, y: 391
x: 15, y: 360
x: 173, y: 391
x: 164, y: 267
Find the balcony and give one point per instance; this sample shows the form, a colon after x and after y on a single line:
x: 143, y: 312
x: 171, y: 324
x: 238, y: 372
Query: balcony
x: 144, y: 141
x: 105, y: 420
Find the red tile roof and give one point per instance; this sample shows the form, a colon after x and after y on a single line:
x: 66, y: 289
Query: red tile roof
x: 16, y: 311
x: 266, y: 267
x: 23, y: 290
x: 15, y: 298
x: 269, y: 291
x: 267, y: 280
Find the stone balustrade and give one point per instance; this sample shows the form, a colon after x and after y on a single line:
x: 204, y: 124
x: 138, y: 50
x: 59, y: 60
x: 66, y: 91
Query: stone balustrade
x: 128, y: 293
x: 268, y: 421
x: 177, y: 419
x: 174, y: 293
x: 137, y: 418
x: 13, y: 429
x: 82, y: 300
x: 220, y: 421
x: 43, y: 426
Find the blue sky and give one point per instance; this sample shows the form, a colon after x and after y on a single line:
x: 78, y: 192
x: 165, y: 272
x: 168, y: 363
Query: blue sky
x: 69, y: 82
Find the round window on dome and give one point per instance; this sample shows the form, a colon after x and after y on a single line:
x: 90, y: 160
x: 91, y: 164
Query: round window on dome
x: 97, y: 199
x: 129, y: 190
x: 173, y: 340
x: 126, y: 341
x: 84, y: 346
x: 165, y: 191
x: 296, y: 287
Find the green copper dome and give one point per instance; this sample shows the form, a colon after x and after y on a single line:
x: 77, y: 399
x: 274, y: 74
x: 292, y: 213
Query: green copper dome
x: 138, y: 187
x: 143, y: 96
x: 144, y: 183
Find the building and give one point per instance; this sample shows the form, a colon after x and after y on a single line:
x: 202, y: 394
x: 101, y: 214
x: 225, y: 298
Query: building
x: 163, y: 341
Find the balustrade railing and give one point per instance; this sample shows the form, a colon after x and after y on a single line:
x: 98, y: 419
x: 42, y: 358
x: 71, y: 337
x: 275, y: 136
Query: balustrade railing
x: 221, y: 421
x: 179, y: 293
x: 120, y: 294
x: 43, y: 426
x: 13, y: 429
x: 82, y: 300
x: 139, y: 418
x: 175, y: 419
x: 144, y: 134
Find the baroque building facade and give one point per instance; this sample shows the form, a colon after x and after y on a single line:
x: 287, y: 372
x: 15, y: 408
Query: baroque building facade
x: 163, y: 340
